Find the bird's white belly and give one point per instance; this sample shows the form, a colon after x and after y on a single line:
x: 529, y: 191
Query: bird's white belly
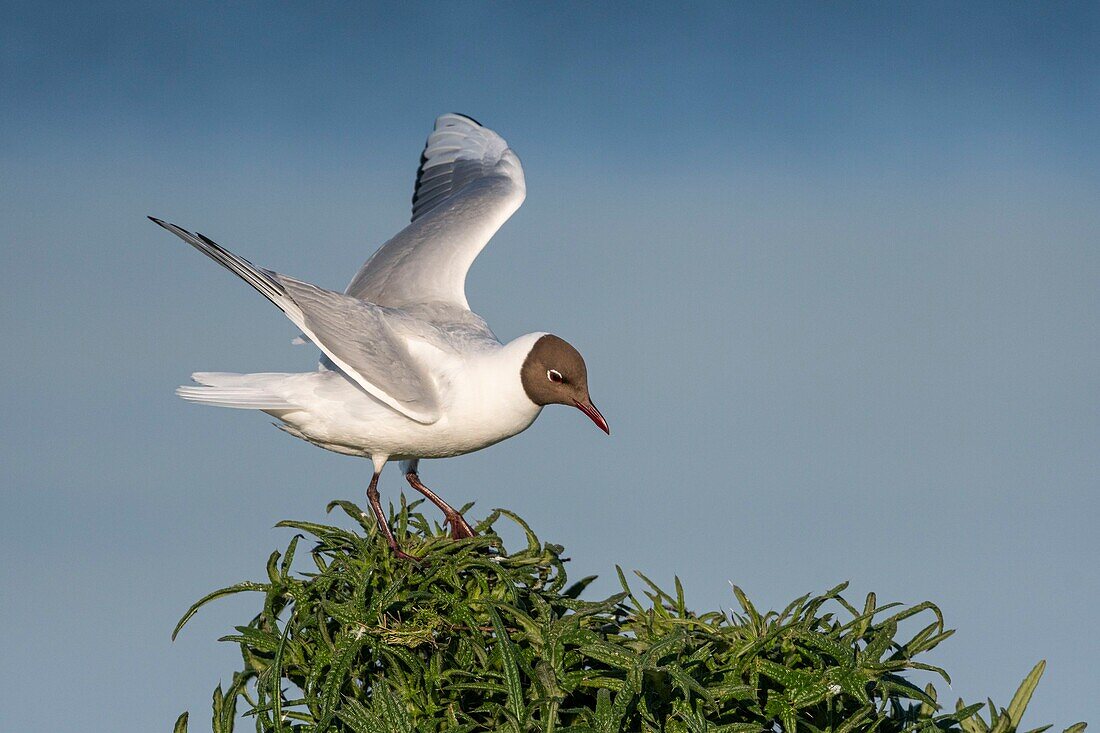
x: 339, y: 416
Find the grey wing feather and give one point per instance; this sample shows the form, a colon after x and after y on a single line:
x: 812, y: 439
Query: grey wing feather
x: 469, y: 183
x: 356, y: 336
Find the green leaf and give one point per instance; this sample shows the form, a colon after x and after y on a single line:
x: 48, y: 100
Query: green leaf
x: 255, y: 639
x: 609, y: 654
x: 731, y: 690
x: 893, y: 684
x: 842, y: 653
x: 288, y: 558
x: 359, y: 718
x: 222, y: 709
x: 624, y: 698
x: 604, y: 723
x: 509, y: 663
x: 968, y: 718
x: 856, y: 719
x: 575, y: 590
x: 395, y: 717
x: 533, y: 544
x: 237, y: 588
x: 1023, y: 694
x: 181, y: 723
x: 364, y: 518
x: 746, y: 604
x: 883, y: 637
x: 347, y: 646
x: 779, y: 707
x: 853, y: 683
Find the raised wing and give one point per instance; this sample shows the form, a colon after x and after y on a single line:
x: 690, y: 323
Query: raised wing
x: 468, y: 184
x: 354, y: 334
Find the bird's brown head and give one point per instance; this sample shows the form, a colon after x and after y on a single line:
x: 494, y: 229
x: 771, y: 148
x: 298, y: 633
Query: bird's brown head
x: 554, y: 374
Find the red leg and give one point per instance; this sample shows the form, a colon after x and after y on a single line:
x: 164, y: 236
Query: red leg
x: 460, y: 528
x: 376, y: 505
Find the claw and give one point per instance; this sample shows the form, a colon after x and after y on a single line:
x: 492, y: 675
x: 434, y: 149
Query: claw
x: 460, y: 528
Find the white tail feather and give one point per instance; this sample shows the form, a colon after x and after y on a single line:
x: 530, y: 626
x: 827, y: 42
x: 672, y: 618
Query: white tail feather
x: 240, y: 391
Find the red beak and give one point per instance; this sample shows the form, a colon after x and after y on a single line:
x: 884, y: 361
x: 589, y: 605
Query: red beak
x: 589, y: 409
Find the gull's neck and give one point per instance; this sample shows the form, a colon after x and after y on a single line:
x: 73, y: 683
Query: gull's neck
x: 505, y: 366
x: 492, y: 386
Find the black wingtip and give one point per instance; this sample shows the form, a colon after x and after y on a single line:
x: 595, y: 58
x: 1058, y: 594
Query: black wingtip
x: 471, y: 119
x: 207, y: 240
x: 170, y: 227
x: 174, y: 228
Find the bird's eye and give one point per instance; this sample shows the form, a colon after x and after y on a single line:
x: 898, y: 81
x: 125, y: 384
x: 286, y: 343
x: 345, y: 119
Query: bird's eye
x: 554, y: 376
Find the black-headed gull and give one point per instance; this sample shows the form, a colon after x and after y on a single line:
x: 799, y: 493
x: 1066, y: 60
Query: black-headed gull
x: 408, y: 370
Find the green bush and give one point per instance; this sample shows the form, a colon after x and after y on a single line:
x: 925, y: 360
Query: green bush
x: 477, y: 639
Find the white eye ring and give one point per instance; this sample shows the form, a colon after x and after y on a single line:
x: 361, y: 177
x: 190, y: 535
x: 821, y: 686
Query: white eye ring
x: 554, y: 376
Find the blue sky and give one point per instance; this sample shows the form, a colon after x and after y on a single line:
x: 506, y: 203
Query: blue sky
x: 834, y: 270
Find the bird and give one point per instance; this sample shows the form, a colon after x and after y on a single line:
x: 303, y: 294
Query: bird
x: 407, y: 371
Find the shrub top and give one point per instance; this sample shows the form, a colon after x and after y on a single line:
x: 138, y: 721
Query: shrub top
x: 474, y: 638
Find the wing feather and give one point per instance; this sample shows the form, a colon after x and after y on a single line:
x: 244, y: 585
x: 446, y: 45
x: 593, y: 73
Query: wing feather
x: 354, y: 334
x: 469, y: 183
